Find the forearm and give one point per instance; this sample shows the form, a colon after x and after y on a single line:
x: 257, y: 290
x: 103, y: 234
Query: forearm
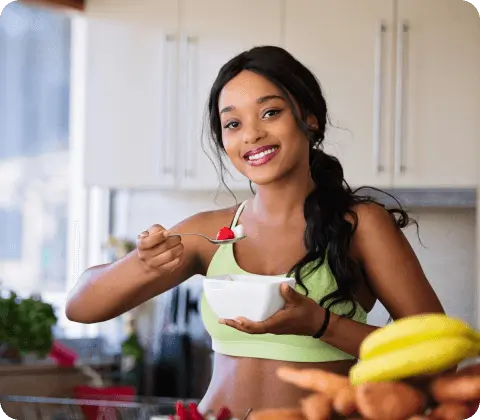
x: 346, y: 334
x: 105, y: 292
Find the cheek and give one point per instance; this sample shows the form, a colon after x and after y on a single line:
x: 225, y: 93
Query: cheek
x: 230, y: 145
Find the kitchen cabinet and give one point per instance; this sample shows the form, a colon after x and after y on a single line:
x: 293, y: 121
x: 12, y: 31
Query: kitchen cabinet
x: 213, y: 35
x: 437, y: 133
x: 402, y: 85
x: 346, y: 45
x: 400, y: 78
x: 59, y: 4
x: 130, y: 95
x: 150, y: 65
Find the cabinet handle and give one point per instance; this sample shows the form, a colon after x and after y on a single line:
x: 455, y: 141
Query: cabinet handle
x: 399, y: 164
x: 377, y: 105
x: 169, y: 61
x: 191, y: 105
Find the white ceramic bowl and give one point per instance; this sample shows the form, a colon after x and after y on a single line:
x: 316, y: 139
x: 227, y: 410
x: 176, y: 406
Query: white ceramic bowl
x: 253, y: 297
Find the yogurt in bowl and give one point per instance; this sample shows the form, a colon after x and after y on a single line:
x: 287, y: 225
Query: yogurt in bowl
x: 251, y: 296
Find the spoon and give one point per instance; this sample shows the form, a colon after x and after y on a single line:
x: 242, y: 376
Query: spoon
x: 211, y: 240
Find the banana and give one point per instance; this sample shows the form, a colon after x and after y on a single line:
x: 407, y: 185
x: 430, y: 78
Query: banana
x: 427, y: 357
x: 412, y: 330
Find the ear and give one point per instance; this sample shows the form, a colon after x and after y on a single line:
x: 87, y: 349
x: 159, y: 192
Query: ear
x: 312, y: 122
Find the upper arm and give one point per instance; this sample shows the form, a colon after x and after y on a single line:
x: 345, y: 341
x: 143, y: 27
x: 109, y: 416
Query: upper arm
x: 393, y: 271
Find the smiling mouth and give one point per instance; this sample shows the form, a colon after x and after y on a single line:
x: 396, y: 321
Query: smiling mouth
x: 261, y: 155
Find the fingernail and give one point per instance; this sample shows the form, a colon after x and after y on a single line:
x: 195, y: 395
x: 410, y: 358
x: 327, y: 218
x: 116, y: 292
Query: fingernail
x: 221, y: 321
x: 143, y: 234
x: 239, y: 321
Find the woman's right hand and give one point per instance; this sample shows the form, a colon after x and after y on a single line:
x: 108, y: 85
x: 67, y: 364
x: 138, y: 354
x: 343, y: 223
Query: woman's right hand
x: 158, y: 251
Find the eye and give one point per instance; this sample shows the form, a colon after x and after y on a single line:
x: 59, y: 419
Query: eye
x: 231, y: 124
x: 272, y: 113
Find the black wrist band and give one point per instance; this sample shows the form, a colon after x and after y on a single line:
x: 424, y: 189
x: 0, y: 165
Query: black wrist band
x: 324, y: 326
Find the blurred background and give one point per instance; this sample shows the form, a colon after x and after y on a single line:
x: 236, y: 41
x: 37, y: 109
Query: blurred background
x: 101, y: 113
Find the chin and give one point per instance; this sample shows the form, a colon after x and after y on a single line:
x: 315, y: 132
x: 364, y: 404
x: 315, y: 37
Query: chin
x: 271, y: 172
x: 265, y: 177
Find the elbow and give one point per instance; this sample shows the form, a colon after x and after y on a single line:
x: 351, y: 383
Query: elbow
x: 73, y: 314
x: 83, y: 313
x: 79, y: 306
x: 76, y: 312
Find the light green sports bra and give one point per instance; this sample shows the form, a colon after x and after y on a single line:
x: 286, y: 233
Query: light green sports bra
x: 294, y: 348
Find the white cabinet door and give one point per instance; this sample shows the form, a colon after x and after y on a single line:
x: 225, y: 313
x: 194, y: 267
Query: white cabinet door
x: 438, y: 94
x: 130, y: 104
x: 213, y: 31
x: 347, y: 44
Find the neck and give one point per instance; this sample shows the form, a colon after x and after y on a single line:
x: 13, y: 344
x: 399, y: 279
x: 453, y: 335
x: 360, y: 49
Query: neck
x: 281, y: 200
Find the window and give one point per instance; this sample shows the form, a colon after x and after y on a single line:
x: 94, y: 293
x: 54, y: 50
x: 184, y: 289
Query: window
x: 34, y: 148
x: 11, y: 234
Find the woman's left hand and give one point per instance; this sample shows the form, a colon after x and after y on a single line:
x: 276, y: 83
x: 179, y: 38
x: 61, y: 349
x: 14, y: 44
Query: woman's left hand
x: 300, y: 316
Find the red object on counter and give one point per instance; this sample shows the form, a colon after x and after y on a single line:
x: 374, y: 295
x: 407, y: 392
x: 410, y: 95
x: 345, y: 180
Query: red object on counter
x: 181, y: 412
x: 194, y: 413
x: 63, y: 355
x: 113, y: 393
x: 225, y: 233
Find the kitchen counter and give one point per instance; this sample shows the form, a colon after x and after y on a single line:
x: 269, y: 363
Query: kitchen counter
x: 428, y: 198
x: 41, y: 380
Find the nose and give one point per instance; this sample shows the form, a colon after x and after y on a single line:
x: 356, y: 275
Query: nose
x: 253, y: 133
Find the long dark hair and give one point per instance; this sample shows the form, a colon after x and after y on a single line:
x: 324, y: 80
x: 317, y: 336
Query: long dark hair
x: 328, y: 233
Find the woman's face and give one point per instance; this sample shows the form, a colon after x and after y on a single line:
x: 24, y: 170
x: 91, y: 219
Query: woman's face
x: 259, y: 131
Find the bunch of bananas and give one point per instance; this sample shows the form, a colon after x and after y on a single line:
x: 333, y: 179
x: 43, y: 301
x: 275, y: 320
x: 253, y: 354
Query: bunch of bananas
x: 416, y: 345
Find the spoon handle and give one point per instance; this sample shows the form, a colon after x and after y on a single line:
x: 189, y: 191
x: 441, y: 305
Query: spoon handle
x: 211, y: 240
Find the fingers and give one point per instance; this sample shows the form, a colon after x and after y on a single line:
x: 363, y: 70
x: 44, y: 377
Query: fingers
x: 154, y: 236
x: 158, y: 241
x: 272, y: 325
x: 246, y: 328
x: 290, y: 294
x: 158, y: 250
x: 173, y: 265
x: 167, y: 255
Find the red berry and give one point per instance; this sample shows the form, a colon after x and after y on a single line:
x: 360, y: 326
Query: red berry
x: 194, y: 413
x: 224, y: 414
x: 181, y: 412
x: 225, y: 233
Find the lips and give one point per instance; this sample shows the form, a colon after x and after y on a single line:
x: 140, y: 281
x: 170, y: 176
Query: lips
x: 259, y: 150
x: 261, y: 155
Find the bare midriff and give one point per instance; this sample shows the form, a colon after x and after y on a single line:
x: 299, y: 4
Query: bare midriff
x: 242, y: 383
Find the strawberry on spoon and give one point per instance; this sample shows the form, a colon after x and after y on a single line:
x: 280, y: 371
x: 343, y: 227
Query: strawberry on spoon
x: 225, y: 233
x: 225, y: 236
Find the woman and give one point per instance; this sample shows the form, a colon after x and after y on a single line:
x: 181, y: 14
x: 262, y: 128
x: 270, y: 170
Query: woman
x: 268, y: 114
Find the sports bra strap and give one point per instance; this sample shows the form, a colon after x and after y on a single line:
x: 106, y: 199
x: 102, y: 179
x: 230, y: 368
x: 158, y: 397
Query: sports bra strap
x: 237, y: 214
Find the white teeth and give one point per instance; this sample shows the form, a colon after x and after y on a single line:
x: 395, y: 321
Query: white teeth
x: 261, y: 154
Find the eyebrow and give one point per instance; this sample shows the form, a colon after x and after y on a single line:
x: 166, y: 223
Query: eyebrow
x: 260, y: 100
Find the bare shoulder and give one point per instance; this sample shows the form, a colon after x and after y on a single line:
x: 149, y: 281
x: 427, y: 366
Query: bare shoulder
x: 372, y: 216
x: 371, y: 221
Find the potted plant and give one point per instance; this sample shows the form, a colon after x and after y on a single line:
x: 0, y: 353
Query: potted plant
x: 26, y: 327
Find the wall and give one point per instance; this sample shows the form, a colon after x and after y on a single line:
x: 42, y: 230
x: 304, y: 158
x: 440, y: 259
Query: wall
x: 448, y: 236
x: 447, y: 257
